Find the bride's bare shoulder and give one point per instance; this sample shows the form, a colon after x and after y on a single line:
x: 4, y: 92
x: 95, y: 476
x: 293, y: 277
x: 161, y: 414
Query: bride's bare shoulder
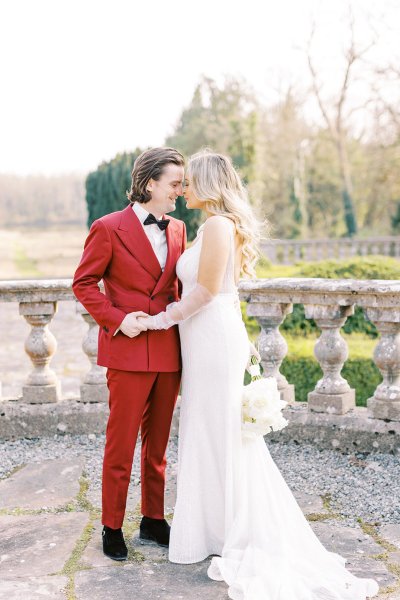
x: 218, y: 224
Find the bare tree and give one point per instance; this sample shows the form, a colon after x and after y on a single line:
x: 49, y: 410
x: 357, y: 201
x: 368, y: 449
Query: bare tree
x: 387, y: 105
x: 336, y: 115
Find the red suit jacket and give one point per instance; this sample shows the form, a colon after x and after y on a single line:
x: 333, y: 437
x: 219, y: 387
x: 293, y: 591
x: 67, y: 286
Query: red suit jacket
x: 118, y: 251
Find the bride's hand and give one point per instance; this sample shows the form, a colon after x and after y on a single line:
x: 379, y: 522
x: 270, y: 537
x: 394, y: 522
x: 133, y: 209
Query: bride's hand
x: 143, y: 321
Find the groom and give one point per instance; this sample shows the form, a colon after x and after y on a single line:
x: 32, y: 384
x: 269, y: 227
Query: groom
x: 134, y: 251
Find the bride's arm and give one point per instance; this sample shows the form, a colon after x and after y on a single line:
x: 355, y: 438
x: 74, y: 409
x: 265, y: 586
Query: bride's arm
x: 212, y: 266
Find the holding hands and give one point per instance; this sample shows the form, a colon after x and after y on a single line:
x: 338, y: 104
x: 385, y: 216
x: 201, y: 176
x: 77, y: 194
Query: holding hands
x: 136, y: 322
x: 132, y: 324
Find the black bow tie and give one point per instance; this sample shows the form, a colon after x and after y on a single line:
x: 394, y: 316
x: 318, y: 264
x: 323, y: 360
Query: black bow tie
x: 162, y: 223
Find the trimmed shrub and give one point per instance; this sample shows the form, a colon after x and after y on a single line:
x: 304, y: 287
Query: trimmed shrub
x: 369, y: 267
x: 359, y: 267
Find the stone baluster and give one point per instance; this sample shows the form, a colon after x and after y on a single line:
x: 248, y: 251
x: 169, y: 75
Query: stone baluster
x: 42, y: 385
x: 285, y: 258
x: 296, y: 252
x: 385, y: 403
x: 269, y: 251
x: 342, y: 250
x: 272, y: 345
x: 309, y: 251
x: 93, y: 387
x: 320, y: 250
x: 332, y: 393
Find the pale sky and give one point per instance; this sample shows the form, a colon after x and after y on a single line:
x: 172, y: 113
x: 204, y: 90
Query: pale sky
x: 84, y: 79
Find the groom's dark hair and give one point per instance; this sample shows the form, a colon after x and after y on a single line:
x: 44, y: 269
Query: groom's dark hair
x: 150, y: 165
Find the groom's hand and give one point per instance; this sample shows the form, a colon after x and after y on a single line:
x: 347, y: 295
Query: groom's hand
x: 131, y: 325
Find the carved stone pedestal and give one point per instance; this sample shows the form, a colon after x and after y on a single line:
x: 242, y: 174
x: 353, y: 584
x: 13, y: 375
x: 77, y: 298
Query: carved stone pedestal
x: 41, y: 394
x: 271, y: 344
x: 42, y: 385
x: 337, y: 404
x: 385, y: 403
x: 94, y: 387
x: 332, y: 393
x: 93, y: 393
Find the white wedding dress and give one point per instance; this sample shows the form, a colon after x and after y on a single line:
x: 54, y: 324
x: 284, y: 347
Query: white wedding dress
x: 231, y: 498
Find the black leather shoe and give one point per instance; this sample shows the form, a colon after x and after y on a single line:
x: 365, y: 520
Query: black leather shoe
x: 114, y: 544
x: 155, y: 530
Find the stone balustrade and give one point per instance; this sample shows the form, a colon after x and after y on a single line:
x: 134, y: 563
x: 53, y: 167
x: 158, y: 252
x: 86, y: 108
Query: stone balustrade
x: 330, y: 302
x: 288, y: 252
x: 327, y: 301
x: 38, y: 304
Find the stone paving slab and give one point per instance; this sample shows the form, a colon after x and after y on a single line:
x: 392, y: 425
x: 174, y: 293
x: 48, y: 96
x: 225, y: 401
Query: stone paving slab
x: 357, y: 548
x: 34, y: 548
x: 164, y: 581
x: 391, y: 533
x: 93, y: 555
x: 37, y: 545
x: 152, y: 553
x: 345, y: 540
x: 49, y: 484
x: 34, y: 588
x: 310, y: 503
x: 371, y: 569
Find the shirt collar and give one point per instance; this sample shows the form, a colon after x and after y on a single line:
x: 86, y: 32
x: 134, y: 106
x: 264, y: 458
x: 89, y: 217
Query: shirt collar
x: 140, y: 212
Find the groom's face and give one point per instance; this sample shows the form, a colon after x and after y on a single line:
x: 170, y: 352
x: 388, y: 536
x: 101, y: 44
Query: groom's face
x: 165, y: 191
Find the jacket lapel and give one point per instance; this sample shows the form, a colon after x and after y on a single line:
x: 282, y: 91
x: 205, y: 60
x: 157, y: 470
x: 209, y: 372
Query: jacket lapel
x: 131, y: 234
x: 173, y: 243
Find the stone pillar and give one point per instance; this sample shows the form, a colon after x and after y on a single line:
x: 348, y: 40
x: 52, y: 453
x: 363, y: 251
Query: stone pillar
x: 387, y: 245
x: 285, y: 258
x: 320, y: 249
x: 94, y: 387
x: 332, y: 393
x: 342, y: 250
x: 272, y: 345
x: 385, y: 403
x: 42, y: 384
x: 330, y: 249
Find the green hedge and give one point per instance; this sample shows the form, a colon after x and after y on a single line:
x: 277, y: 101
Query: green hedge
x: 297, y: 324
x: 358, y: 267
x: 368, y: 267
x: 361, y: 373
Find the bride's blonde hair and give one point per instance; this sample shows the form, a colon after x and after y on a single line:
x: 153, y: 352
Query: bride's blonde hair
x: 216, y: 183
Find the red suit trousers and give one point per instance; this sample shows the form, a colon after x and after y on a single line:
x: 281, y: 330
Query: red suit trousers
x: 145, y: 400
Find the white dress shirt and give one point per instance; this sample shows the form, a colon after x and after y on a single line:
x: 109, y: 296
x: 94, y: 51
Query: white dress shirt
x: 156, y: 236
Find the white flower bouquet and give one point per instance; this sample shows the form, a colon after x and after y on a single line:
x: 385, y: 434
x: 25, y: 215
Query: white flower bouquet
x: 261, y: 404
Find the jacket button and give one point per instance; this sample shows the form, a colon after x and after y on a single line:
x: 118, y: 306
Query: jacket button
x: 106, y: 329
x: 170, y: 298
x: 151, y: 297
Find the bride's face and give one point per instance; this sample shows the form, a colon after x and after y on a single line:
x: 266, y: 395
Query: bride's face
x: 191, y: 200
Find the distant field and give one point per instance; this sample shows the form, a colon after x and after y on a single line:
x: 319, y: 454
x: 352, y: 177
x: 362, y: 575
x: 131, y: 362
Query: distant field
x: 35, y: 253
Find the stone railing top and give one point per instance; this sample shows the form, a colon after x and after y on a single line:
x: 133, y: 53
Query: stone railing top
x: 36, y: 290
x: 344, y: 292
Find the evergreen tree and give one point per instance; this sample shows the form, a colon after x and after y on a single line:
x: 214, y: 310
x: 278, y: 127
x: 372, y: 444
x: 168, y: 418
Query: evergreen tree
x: 106, y: 187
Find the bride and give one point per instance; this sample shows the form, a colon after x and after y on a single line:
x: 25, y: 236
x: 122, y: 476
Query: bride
x: 232, y: 501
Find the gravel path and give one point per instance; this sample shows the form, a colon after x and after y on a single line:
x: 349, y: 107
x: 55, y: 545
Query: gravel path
x: 366, y: 486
